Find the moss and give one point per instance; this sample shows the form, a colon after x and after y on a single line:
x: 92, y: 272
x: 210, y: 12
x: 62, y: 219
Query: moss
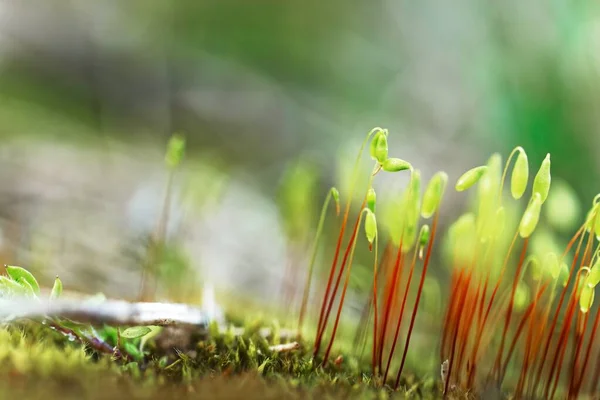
x: 36, y: 362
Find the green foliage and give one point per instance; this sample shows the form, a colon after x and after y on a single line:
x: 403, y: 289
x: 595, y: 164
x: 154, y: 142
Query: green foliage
x: 23, y: 277
x: 135, y: 332
x: 57, y: 289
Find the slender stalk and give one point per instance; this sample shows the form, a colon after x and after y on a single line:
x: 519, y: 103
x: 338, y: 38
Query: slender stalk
x: 419, y: 292
x: 566, y: 325
x: 526, y: 316
x: 343, y: 295
x: 538, y: 375
x: 399, y: 323
x: 373, y: 359
x: 337, y: 284
x: 460, y: 314
x: 587, y: 355
x: 388, y: 303
x: 313, y: 258
x: 340, y: 237
x: 511, y: 304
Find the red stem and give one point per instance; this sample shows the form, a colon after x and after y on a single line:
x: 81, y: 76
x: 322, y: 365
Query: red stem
x: 399, y: 323
x: 510, y: 305
x: 419, y: 292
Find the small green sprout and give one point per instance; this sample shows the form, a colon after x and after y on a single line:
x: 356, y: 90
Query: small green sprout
x: 175, y: 151
x: 541, y: 183
x: 531, y: 216
x: 395, y: 165
x: 135, y: 332
x: 57, y: 289
x: 23, y: 277
x: 433, y: 194
x: 9, y: 287
x: 470, y: 178
x: 520, y: 175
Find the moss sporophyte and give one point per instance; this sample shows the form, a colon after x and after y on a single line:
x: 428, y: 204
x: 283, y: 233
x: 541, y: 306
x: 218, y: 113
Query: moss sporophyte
x: 518, y: 310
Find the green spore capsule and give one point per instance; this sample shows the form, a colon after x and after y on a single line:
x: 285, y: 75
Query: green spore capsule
x: 395, y: 165
x: 57, y: 289
x: 531, y: 216
x: 520, y: 175
x: 470, y: 178
x: 521, y: 297
x: 586, y: 298
x: 381, y: 148
x: 371, y: 199
x: 336, y: 197
x: 593, y: 277
x: 370, y: 226
x: 424, y: 235
x: 563, y: 278
x: 433, y: 194
x: 597, y: 223
x: 552, y: 265
x: 535, y: 267
x: 541, y: 183
x: 374, y: 145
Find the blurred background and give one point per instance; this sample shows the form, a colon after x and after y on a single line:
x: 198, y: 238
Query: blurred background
x: 266, y: 93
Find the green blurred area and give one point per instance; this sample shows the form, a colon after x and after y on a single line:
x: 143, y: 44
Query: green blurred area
x: 259, y: 86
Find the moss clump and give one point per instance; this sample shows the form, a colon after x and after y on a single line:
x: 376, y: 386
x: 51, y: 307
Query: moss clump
x: 36, y: 362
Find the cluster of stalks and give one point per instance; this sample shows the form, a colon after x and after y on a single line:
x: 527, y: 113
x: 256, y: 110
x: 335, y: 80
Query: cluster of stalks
x: 514, y: 319
x: 409, y: 247
x: 494, y: 336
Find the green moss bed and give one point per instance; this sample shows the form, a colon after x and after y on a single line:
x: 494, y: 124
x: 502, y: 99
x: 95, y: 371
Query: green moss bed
x: 38, y: 363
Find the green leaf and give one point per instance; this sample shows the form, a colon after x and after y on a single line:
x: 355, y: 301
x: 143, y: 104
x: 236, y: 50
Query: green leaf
x: 21, y: 274
x: 9, y: 287
x: 135, y: 332
x: 56, y: 289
